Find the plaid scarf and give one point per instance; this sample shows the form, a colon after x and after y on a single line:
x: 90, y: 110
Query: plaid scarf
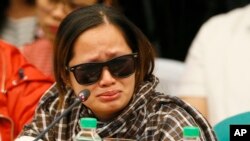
x: 149, y: 116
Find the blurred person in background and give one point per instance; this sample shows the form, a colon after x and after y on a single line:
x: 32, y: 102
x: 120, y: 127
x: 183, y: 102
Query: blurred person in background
x: 21, y: 86
x: 50, y: 13
x: 216, y: 79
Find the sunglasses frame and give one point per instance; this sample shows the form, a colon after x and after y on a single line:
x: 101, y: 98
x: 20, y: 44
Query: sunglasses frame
x: 103, y: 64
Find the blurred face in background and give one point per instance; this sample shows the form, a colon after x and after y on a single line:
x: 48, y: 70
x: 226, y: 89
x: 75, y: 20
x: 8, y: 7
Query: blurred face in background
x: 51, y: 12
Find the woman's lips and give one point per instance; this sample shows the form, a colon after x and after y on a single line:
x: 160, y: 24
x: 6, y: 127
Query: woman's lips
x: 109, y: 96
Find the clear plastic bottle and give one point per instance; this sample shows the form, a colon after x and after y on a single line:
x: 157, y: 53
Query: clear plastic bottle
x: 88, y: 130
x: 191, y: 133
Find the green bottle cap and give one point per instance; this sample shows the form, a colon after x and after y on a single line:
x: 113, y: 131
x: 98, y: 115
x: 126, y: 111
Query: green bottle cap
x: 191, y: 131
x: 89, y: 123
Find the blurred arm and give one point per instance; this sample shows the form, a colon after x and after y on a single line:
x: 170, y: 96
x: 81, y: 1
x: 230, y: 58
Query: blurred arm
x: 200, y: 103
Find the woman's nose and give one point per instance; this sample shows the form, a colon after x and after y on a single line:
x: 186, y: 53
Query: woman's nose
x: 106, y: 78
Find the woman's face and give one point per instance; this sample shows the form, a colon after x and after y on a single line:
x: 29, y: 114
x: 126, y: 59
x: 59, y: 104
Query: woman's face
x: 51, y: 12
x: 109, y: 94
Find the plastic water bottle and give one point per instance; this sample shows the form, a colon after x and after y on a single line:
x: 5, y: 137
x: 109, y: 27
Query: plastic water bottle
x: 88, y: 130
x: 191, y: 133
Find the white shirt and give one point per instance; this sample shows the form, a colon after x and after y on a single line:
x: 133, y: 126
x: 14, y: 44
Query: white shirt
x: 168, y: 71
x: 19, y: 31
x: 218, y: 65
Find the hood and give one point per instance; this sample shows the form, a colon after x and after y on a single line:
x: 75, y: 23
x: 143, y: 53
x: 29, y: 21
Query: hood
x: 14, y: 68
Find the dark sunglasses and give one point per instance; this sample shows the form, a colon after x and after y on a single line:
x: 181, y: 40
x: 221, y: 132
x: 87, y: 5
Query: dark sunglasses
x: 89, y: 73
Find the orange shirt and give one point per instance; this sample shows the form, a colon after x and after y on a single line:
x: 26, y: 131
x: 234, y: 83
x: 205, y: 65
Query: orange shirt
x: 21, y: 86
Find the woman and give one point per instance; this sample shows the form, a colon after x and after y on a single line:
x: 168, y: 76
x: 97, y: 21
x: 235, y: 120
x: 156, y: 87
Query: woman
x: 98, y: 49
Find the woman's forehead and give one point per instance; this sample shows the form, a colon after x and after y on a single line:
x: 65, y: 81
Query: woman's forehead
x: 80, y: 2
x: 76, y: 2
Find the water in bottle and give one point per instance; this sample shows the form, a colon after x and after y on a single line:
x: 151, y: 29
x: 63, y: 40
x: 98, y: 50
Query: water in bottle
x: 88, y: 130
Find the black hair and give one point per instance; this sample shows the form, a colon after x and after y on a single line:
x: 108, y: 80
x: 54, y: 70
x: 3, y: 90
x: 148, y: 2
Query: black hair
x: 3, y: 8
x: 89, y: 17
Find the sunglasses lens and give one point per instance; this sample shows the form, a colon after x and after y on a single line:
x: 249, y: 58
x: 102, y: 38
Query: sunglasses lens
x: 87, y: 73
x: 122, y: 66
